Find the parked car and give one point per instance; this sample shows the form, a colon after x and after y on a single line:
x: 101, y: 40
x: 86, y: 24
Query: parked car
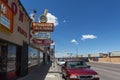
x: 78, y: 70
x: 61, y: 62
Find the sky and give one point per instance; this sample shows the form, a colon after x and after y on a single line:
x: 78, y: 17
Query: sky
x: 81, y: 26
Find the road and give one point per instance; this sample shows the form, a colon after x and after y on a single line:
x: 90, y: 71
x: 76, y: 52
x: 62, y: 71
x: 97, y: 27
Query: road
x: 106, y: 71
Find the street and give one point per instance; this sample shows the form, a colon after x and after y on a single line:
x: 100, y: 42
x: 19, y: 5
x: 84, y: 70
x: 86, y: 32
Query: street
x: 106, y: 71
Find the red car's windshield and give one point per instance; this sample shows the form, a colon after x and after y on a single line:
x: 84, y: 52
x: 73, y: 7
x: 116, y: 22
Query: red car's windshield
x: 76, y: 64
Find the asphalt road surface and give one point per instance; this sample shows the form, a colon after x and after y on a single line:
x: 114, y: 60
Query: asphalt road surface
x: 106, y: 71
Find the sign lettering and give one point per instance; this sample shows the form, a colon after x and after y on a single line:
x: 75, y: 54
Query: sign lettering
x: 20, y: 30
x: 42, y: 41
x: 42, y: 35
x: 6, y: 17
x: 3, y: 8
x: 43, y: 27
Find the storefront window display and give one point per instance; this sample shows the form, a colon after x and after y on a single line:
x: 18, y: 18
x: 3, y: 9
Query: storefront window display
x: 11, y: 64
x: 41, y: 57
x: 32, y: 57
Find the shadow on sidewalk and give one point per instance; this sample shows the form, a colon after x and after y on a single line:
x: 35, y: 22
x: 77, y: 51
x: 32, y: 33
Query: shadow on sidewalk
x: 38, y: 74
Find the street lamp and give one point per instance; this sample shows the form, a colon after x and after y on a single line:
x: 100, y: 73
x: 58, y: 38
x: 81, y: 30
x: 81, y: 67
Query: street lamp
x: 53, y: 56
x: 53, y: 46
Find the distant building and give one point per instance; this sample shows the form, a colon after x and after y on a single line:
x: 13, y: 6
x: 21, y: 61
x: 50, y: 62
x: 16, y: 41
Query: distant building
x: 114, y: 54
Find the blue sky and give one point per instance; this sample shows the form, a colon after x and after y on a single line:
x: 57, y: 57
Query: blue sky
x: 82, y: 26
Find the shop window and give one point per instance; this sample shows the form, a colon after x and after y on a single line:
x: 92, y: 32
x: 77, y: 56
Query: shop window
x: 32, y: 57
x: 11, y: 58
x: 41, y: 57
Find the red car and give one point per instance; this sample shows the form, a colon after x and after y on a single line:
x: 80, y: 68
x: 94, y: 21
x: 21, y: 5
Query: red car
x: 78, y: 70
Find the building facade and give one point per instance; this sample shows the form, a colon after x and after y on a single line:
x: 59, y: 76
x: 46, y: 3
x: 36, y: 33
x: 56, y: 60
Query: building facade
x: 17, y: 55
x: 14, y: 39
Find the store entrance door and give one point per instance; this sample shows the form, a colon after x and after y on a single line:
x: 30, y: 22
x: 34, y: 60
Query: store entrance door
x: 24, y: 59
x: 18, y: 60
x: 3, y: 58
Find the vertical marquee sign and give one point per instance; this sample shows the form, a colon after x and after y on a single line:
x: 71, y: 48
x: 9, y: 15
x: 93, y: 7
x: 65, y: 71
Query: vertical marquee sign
x: 6, y: 17
x: 40, y: 31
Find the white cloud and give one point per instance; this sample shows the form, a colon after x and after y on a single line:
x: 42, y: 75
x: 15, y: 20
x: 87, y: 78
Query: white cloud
x: 60, y: 54
x: 84, y: 37
x: 32, y: 16
x: 52, y: 19
x: 74, y: 41
x: 64, y: 21
x: 53, y: 44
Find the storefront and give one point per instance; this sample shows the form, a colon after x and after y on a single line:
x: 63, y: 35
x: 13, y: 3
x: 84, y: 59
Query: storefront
x: 14, y: 39
x: 35, y: 58
x: 15, y: 58
x: 8, y: 60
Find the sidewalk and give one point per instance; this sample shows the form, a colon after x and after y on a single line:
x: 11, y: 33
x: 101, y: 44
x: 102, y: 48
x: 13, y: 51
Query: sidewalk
x: 44, y: 72
x: 53, y: 73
